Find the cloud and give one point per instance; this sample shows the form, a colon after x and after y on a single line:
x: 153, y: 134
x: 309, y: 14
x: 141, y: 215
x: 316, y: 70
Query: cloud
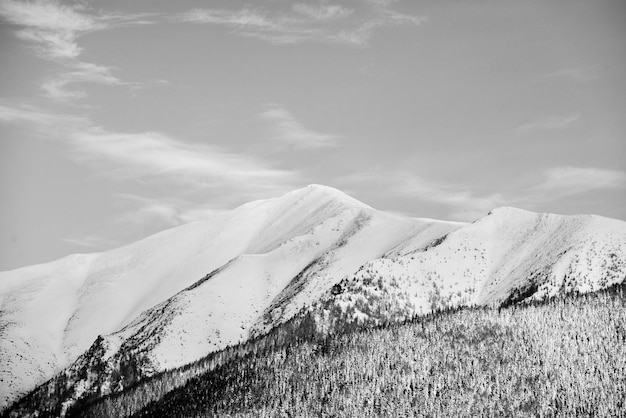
x: 57, y: 87
x: 242, y: 19
x: 142, y: 216
x: 278, y: 29
x: 321, y: 11
x: 92, y: 242
x: 286, y: 129
x: 578, y: 75
x: 51, y: 26
x: 151, y: 212
x: 155, y: 156
x: 40, y: 120
x: 463, y: 204
x: 53, y: 29
x: 167, y: 212
x: 565, y: 181
x: 305, y: 22
x: 548, y: 124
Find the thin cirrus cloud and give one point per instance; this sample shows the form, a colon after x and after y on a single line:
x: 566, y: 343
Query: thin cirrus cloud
x: 549, y: 124
x: 465, y: 204
x: 462, y: 203
x: 579, y: 75
x: 52, y: 27
x: 565, y: 181
x: 53, y: 30
x: 142, y: 215
x: 57, y: 88
x: 285, y: 129
x: 38, y: 119
x: 304, y: 22
x: 92, y: 242
x: 184, y: 175
x: 146, y: 211
x: 176, y: 169
x: 154, y: 155
x: 322, y: 12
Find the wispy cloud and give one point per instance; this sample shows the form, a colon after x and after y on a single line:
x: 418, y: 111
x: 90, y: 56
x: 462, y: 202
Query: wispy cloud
x: 155, y: 156
x: 321, y: 12
x: 58, y: 87
x: 321, y: 22
x: 565, y: 181
x: 141, y: 216
x: 463, y: 203
x: 53, y: 30
x: 549, y: 124
x: 92, y: 242
x: 168, y: 212
x: 40, y: 120
x: 278, y: 29
x: 52, y: 27
x: 578, y: 75
x: 186, y: 181
x: 288, y: 130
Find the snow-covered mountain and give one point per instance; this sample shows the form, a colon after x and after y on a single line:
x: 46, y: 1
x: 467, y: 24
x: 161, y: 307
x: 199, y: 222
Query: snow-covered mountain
x: 154, y: 295
x: 175, y: 296
x: 505, y: 257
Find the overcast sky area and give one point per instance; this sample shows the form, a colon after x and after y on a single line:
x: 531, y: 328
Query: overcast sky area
x: 122, y: 118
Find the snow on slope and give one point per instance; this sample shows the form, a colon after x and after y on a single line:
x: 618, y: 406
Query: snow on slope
x: 351, y: 263
x: 51, y: 313
x: 255, y: 291
x: 173, y: 297
x: 505, y: 257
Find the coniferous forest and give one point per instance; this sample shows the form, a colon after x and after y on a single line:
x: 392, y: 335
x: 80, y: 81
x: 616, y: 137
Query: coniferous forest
x: 560, y: 358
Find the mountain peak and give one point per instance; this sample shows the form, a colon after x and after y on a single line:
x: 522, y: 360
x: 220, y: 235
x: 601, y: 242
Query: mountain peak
x: 510, y: 211
x: 325, y: 193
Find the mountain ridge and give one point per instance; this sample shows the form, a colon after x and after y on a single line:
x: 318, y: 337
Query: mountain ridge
x: 173, y: 297
x: 100, y: 293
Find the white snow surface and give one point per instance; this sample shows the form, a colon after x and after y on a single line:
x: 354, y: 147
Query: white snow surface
x: 182, y: 293
x: 51, y: 313
x: 502, y: 255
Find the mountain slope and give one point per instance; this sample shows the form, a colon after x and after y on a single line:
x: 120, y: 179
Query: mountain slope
x: 111, y: 319
x: 137, y: 294
x: 505, y: 257
x: 562, y: 358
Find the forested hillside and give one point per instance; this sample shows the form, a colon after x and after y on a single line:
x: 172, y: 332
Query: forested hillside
x: 562, y: 357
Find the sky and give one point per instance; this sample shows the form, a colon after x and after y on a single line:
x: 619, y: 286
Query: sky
x: 122, y: 118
